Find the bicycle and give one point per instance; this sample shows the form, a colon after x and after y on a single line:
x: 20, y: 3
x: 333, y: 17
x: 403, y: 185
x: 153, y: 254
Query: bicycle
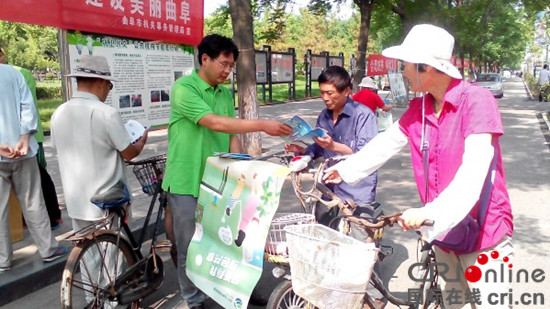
x: 106, y: 267
x: 284, y: 296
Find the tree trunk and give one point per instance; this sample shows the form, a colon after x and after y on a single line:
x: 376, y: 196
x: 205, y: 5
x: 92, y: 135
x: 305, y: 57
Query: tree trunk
x: 365, y: 9
x: 241, y: 19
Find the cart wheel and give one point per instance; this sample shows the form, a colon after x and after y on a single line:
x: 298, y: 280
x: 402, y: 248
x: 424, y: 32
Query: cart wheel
x: 283, y: 297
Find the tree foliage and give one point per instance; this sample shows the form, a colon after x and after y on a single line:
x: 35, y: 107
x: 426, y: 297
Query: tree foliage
x: 492, y: 33
x: 29, y: 46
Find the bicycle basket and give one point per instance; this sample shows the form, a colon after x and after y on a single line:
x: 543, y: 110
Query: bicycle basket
x: 329, y: 269
x: 149, y: 171
x: 276, y: 239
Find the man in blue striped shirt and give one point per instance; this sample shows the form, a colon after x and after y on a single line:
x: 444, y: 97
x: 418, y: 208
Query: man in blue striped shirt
x: 350, y: 126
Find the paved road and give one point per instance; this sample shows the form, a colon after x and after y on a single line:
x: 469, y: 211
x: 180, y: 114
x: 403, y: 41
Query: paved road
x: 527, y: 162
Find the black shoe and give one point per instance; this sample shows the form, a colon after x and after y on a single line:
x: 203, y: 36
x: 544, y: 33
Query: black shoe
x: 197, y: 307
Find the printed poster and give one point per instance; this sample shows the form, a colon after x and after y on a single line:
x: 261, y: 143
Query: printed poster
x: 282, y: 67
x: 236, y: 204
x: 397, y: 86
x: 144, y: 71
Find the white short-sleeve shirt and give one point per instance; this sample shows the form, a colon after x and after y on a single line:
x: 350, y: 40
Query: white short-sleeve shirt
x: 88, y: 136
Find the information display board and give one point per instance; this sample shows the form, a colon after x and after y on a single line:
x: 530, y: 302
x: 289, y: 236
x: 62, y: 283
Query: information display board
x: 333, y: 60
x: 397, y: 85
x: 282, y: 68
x: 318, y: 64
x: 145, y: 72
x: 261, y: 67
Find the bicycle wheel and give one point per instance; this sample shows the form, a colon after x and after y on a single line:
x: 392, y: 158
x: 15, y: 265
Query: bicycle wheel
x: 283, y: 297
x: 426, y: 285
x: 92, y: 268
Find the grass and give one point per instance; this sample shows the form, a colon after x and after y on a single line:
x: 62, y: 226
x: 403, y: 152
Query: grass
x: 280, y: 91
x: 49, y: 83
x: 46, y: 109
x: 280, y: 94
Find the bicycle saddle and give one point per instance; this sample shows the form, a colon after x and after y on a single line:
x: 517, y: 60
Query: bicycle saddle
x: 115, y: 196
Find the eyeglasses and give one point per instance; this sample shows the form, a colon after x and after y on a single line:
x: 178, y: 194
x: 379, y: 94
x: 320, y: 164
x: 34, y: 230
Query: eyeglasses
x: 226, y: 67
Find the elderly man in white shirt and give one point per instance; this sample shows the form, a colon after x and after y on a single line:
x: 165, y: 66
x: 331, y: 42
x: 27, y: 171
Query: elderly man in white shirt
x: 19, y: 170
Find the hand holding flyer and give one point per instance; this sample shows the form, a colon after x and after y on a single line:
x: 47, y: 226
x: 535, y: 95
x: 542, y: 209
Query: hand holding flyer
x: 301, y: 130
x: 135, y: 129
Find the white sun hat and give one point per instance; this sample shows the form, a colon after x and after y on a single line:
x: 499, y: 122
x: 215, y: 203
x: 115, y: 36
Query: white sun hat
x: 429, y: 45
x: 93, y: 66
x: 367, y: 82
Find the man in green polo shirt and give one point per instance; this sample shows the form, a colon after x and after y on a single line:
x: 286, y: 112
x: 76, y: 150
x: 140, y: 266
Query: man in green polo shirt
x: 202, y: 121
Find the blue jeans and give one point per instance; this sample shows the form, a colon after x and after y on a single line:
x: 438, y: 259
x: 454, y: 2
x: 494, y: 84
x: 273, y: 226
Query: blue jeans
x: 183, y: 220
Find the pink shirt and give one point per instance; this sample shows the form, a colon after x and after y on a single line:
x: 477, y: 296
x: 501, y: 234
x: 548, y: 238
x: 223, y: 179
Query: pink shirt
x: 467, y: 109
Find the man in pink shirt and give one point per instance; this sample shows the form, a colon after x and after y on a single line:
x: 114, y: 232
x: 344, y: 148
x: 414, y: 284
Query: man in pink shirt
x: 368, y: 97
x: 458, y: 126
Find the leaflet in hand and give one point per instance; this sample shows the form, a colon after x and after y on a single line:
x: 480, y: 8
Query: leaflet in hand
x: 301, y: 130
x: 135, y: 129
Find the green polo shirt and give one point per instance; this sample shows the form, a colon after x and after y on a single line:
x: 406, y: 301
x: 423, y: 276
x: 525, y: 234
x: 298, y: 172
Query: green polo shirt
x: 189, y: 144
x: 31, y: 83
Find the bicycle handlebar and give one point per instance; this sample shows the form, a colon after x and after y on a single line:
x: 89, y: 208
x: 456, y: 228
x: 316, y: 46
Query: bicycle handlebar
x: 347, y: 207
x: 382, y: 221
x: 149, y: 160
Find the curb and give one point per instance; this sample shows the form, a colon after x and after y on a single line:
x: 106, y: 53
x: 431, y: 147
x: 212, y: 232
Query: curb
x: 527, y: 89
x: 544, y: 126
x: 36, y: 275
x: 545, y: 117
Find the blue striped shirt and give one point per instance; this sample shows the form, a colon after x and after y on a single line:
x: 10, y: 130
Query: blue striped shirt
x: 355, y: 127
x: 18, y: 114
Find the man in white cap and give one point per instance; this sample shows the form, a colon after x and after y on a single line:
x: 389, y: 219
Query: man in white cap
x: 91, y: 141
x: 367, y: 96
x: 453, y: 132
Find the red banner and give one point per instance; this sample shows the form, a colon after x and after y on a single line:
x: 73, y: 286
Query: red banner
x: 380, y: 65
x: 175, y: 21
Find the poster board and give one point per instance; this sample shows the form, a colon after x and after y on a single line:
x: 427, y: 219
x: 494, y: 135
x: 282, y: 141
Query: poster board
x: 145, y: 72
x: 261, y: 67
x: 282, y: 68
x: 397, y: 86
x: 318, y: 64
x: 237, y: 201
x: 333, y: 60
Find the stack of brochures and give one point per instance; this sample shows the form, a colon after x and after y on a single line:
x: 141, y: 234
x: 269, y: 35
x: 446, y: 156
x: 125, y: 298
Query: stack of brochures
x: 232, y: 155
x: 301, y: 130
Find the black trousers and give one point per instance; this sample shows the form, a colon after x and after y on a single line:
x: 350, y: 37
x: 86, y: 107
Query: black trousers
x: 50, y: 195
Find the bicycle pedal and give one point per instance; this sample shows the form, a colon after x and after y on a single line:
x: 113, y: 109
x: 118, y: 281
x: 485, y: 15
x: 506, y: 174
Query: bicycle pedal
x: 384, y: 252
x: 163, y: 245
